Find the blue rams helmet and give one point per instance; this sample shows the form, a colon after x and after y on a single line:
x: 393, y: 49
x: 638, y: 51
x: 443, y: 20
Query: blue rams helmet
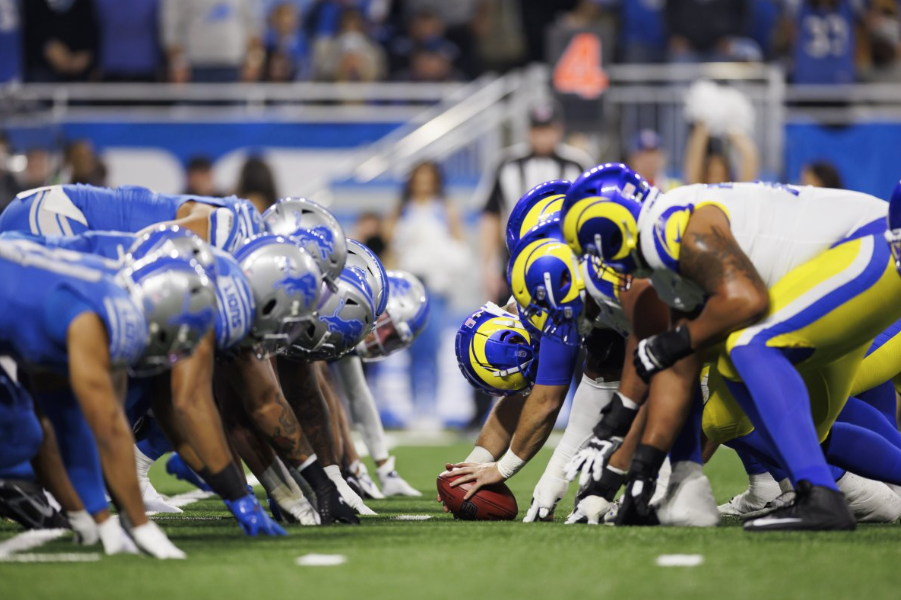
x: 405, y: 316
x: 344, y: 318
x: 545, y: 277
x: 179, y: 303
x: 314, y: 229
x: 535, y: 207
x: 235, y: 308
x: 286, y: 284
x: 893, y: 235
x: 600, y: 214
x: 494, y: 352
x: 362, y: 258
x: 174, y: 241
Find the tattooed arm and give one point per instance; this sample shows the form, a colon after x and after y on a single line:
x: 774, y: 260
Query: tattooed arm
x: 301, y: 385
x: 736, y: 295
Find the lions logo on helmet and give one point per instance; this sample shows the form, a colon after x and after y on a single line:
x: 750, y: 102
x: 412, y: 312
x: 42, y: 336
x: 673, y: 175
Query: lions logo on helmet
x: 537, y: 206
x: 893, y: 235
x: 494, y: 352
x: 173, y: 240
x: 600, y: 214
x: 545, y: 277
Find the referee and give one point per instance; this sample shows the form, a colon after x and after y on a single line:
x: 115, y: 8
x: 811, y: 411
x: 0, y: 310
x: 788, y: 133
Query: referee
x: 521, y: 168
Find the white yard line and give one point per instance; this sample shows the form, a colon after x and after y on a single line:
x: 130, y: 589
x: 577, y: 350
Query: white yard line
x: 51, y: 558
x: 30, y: 539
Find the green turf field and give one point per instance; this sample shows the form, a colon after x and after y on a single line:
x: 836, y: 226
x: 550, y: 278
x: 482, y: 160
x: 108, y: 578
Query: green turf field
x: 440, y: 558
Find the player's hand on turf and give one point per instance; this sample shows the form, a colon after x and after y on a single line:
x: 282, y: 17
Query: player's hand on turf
x: 661, y: 351
x: 114, y: 538
x: 252, y: 518
x: 589, y: 462
x: 636, y: 508
x: 333, y: 508
x: 590, y: 505
x: 151, y: 540
x: 479, y: 474
x: 549, y: 491
x: 84, y: 527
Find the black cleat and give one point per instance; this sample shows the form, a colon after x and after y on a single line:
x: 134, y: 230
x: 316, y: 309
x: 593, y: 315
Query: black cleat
x: 815, y: 508
x: 354, y: 483
x: 636, y: 509
x: 25, y: 503
x: 333, y: 509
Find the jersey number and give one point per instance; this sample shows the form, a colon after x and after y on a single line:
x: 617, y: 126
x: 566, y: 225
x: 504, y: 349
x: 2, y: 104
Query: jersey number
x: 579, y: 69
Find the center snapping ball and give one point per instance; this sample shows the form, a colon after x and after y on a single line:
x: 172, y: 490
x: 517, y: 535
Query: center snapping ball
x: 491, y: 503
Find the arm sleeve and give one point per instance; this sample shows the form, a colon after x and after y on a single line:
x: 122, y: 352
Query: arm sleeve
x: 556, y: 362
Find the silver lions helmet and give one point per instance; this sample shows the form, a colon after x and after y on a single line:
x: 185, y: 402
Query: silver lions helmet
x: 359, y: 256
x: 173, y: 240
x: 286, y: 284
x: 405, y: 316
x: 314, y: 229
x: 344, y: 318
x: 179, y: 303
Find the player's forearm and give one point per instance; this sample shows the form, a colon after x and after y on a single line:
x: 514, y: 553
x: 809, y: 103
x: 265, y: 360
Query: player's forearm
x: 302, y: 390
x: 669, y: 402
x: 631, y: 386
x: 539, y: 413
x: 724, y: 314
x: 497, y: 432
x: 51, y: 472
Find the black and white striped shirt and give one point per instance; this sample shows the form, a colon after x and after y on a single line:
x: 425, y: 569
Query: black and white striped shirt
x: 520, y: 169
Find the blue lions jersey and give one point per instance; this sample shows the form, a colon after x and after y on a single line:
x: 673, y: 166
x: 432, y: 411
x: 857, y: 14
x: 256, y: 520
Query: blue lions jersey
x: 46, y: 289
x: 235, y: 306
x: 825, y: 45
x: 73, y: 209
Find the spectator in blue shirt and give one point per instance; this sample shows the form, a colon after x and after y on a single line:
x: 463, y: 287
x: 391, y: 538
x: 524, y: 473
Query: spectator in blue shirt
x: 129, y: 40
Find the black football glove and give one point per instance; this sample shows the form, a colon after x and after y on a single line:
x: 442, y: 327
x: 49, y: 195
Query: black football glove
x: 661, y: 351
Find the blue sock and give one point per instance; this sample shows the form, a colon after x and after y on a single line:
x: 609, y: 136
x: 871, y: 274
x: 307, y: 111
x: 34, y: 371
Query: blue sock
x: 775, y: 398
x: 865, y: 453
x: 687, y: 445
x: 857, y: 412
x: 757, y: 449
x: 77, y: 447
x: 882, y: 398
x: 752, y: 466
x: 154, y: 443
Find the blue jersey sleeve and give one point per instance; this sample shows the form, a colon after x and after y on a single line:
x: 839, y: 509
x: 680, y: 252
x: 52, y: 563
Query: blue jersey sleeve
x: 556, y: 362
x: 62, y: 307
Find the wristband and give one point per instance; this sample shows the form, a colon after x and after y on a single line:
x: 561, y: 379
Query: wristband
x: 510, y: 465
x: 479, y: 455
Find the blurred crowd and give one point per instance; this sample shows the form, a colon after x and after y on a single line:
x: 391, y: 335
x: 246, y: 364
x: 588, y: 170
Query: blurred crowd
x: 818, y: 41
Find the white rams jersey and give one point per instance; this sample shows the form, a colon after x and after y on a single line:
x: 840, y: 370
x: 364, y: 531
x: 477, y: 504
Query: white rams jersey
x: 778, y: 227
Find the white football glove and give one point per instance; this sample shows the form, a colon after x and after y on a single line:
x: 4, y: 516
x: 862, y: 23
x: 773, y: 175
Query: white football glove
x: 84, y: 527
x: 348, y: 495
x: 151, y: 539
x: 548, y: 492
x: 591, y: 460
x: 299, y: 508
x: 115, y: 540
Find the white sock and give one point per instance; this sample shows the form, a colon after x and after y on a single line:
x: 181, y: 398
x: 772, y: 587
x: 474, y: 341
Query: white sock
x: 591, y: 396
x: 786, y: 485
x: 363, y: 411
x: 143, y: 463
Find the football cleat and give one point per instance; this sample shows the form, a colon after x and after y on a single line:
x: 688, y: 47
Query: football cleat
x: 688, y: 501
x: 25, y: 503
x: 392, y: 483
x: 762, y: 489
x: 252, y: 518
x: 367, y: 486
x: 636, y: 508
x: 154, y: 502
x: 815, y: 508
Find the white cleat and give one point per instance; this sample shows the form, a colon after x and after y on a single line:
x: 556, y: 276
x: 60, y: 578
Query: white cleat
x: 151, y: 540
x: 154, y: 502
x: 370, y: 489
x: 762, y: 489
x: 392, y: 483
x: 870, y: 501
x: 689, y: 498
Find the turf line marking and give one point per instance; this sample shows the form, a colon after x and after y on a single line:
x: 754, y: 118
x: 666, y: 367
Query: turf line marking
x: 51, y: 558
x: 680, y: 560
x: 412, y: 517
x: 30, y: 539
x: 320, y: 560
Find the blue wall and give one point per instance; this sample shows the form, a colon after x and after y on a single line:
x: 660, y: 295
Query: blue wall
x: 868, y: 155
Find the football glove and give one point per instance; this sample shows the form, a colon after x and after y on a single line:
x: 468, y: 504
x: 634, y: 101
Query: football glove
x: 661, y: 351
x: 252, y: 518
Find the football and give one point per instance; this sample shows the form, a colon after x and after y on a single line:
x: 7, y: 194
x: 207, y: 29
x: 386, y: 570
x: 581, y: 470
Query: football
x: 491, y: 503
